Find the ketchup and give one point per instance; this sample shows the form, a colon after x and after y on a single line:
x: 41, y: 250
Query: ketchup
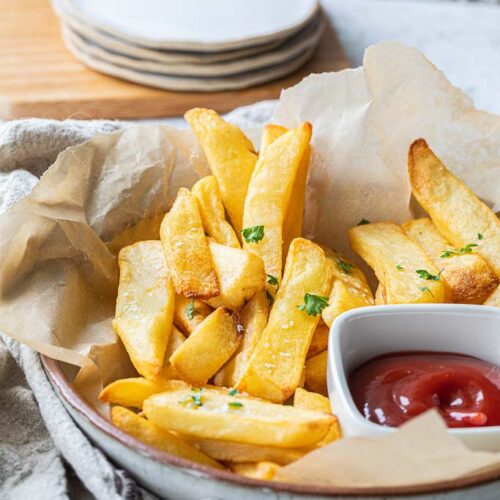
x: 393, y: 388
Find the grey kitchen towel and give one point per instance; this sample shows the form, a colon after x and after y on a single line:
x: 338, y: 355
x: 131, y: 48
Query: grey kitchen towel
x: 39, y: 442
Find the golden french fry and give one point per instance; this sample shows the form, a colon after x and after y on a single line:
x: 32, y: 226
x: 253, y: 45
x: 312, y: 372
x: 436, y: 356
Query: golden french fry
x: 269, y: 195
x: 254, y: 320
x: 316, y: 402
x: 276, y: 365
x: 240, y: 273
x: 315, y: 374
x: 256, y: 470
x: 204, y: 352
x: 407, y: 273
x: 240, y: 452
x: 319, y: 341
x: 145, y: 431
x: 189, y: 313
x: 175, y: 341
x: 468, y: 278
x: 230, y: 155
x: 144, y: 305
x: 459, y: 215
x: 132, y: 392
x: 212, y: 213
x: 270, y: 133
x: 186, y: 249
x: 350, y: 287
x: 494, y: 298
x: 210, y: 413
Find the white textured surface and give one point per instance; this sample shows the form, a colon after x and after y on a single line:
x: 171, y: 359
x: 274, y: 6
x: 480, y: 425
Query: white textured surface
x: 462, y: 39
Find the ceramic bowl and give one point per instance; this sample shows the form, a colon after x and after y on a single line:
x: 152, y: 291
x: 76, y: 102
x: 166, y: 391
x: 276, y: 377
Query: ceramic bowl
x: 362, y: 334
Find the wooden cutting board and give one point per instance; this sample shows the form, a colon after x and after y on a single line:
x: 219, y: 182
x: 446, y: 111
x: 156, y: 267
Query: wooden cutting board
x: 40, y: 78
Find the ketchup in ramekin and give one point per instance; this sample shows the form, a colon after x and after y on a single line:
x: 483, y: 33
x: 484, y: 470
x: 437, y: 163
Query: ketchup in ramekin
x: 393, y: 388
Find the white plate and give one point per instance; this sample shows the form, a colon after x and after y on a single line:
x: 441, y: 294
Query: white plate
x: 191, y: 84
x: 309, y: 40
x: 205, y: 25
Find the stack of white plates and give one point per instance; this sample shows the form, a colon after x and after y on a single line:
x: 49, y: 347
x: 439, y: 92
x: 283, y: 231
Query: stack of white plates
x: 192, y: 45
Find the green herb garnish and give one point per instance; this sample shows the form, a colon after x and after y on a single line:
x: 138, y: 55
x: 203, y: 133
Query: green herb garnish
x: 235, y: 404
x: 190, y: 310
x: 425, y: 289
x: 270, y: 297
x: 480, y: 236
x: 272, y: 280
x: 253, y: 234
x: 362, y: 222
x: 426, y: 275
x: 313, y: 304
x: 466, y: 249
x: 233, y: 392
x: 345, y: 266
x: 399, y: 267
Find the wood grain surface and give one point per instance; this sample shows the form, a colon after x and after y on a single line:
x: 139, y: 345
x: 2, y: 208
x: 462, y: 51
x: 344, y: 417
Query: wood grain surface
x: 40, y: 78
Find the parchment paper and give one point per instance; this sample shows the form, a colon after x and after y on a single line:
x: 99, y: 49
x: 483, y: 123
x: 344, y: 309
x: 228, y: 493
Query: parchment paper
x: 58, y: 271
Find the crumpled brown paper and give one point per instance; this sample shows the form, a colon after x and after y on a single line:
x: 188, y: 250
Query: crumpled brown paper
x: 58, y: 272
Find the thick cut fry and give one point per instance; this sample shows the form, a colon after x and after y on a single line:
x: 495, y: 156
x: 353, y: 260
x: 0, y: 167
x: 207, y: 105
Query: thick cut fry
x: 319, y: 342
x: 147, y: 432
x: 212, y: 213
x: 276, y: 365
x: 459, y: 215
x: 468, y: 278
x: 269, y: 196
x: 175, y: 341
x: 407, y: 273
x: 145, y: 305
x: 132, y: 392
x: 239, y: 452
x: 254, y: 320
x: 260, y: 470
x: 350, y: 287
x: 189, y: 313
x: 240, y: 273
x: 494, y: 298
x: 315, y: 374
x: 205, y: 351
x: 214, y: 415
x: 270, y: 133
x: 186, y: 249
x: 230, y: 155
x: 316, y: 402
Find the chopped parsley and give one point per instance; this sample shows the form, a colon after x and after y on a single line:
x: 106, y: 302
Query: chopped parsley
x: 345, y: 266
x: 233, y: 392
x: 313, y: 304
x: 399, y: 267
x: 190, y: 310
x: 480, y: 236
x: 235, y: 404
x: 426, y: 275
x: 466, y: 249
x: 253, y: 234
x: 195, y: 400
x: 362, y: 222
x: 425, y: 289
x: 270, y: 297
x: 272, y: 280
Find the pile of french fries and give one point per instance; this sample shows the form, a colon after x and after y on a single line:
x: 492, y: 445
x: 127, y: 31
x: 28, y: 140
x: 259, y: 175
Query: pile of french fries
x: 226, y: 316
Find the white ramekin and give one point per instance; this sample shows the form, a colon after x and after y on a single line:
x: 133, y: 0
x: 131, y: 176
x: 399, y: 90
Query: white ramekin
x: 361, y: 334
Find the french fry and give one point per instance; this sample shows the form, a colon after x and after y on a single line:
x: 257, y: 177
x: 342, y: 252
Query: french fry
x: 204, y: 352
x: 214, y: 415
x: 132, y: 392
x: 315, y: 374
x: 240, y: 273
x: 468, y: 278
x: 144, y: 305
x: 175, y: 341
x: 406, y: 272
x: 269, y: 195
x: 456, y: 211
x: 147, y: 432
x: 256, y: 470
x: 240, y: 452
x: 189, y: 313
x: 270, y: 133
x: 212, y: 213
x: 319, y: 341
x: 276, y: 365
x: 350, y: 287
x: 186, y: 249
x: 316, y: 402
x: 494, y: 298
x: 230, y: 155
x: 254, y: 319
